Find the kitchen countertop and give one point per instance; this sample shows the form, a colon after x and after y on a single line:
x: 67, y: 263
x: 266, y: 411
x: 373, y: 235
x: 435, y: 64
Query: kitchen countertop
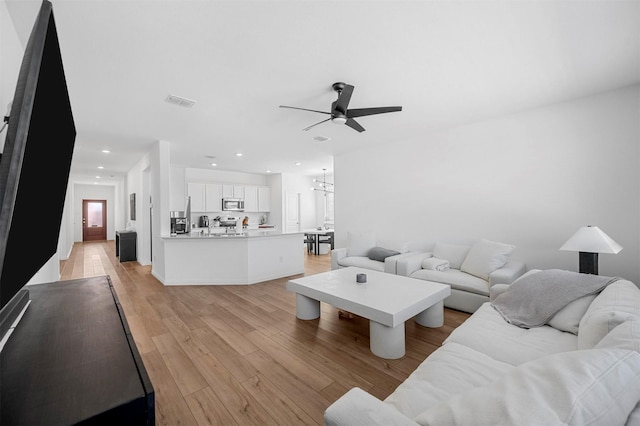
x: 251, y: 233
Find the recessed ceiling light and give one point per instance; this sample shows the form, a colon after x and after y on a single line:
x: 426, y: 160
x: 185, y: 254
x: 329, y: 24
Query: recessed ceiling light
x: 101, y: 167
x: 106, y: 151
x: 268, y: 171
x: 238, y: 154
x: 297, y: 164
x: 97, y: 177
x: 213, y: 164
x: 321, y: 138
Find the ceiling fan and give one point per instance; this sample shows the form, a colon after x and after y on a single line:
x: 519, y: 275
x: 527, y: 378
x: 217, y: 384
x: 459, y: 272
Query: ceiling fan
x: 340, y: 114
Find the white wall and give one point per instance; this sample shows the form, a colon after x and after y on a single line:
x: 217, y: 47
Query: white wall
x: 276, y: 216
x: 530, y: 179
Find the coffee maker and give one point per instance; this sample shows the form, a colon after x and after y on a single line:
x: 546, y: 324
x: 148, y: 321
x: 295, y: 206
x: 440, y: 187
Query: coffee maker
x: 203, y: 222
x: 178, y: 222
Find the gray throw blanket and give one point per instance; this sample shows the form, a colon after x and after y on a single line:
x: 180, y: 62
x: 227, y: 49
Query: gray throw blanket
x: 532, y: 300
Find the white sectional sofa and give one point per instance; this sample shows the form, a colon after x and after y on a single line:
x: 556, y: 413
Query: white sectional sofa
x: 364, y: 251
x: 472, y: 270
x: 490, y: 372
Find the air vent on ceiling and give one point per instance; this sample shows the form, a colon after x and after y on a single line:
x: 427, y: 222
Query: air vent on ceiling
x: 177, y: 100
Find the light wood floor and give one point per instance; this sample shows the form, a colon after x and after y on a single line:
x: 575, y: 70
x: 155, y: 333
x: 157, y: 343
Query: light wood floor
x: 237, y: 354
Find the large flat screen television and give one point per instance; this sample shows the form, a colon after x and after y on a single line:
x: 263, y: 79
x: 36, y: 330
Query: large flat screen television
x: 35, y: 163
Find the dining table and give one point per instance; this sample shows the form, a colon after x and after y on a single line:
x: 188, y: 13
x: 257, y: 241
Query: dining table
x: 315, y: 233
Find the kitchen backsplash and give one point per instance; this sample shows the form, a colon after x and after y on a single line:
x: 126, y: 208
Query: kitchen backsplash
x: 254, y: 218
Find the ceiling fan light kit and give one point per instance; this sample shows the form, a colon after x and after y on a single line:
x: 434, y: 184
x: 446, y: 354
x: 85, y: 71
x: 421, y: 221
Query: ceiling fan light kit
x: 340, y: 114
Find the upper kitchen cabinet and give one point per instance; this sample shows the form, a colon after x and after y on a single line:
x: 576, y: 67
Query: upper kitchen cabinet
x: 196, y: 191
x: 257, y: 199
x: 264, y: 199
x: 251, y: 199
x: 233, y: 191
x: 205, y: 197
x: 213, y: 199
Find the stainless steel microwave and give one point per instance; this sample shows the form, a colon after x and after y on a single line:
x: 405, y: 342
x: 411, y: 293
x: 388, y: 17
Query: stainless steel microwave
x: 233, y: 204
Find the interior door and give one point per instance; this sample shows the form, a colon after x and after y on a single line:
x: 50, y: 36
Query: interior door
x: 94, y: 220
x: 292, y: 219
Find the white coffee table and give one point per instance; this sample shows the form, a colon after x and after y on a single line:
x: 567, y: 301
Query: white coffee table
x: 386, y: 300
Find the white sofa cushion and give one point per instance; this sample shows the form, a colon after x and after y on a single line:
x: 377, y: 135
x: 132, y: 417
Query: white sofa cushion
x: 456, y: 279
x: 617, y: 303
x: 595, y: 387
x: 624, y: 336
x: 454, y: 253
x: 358, y: 407
x: 361, y: 262
x: 359, y: 243
x: 568, y: 318
x: 448, y: 371
x: 487, y: 332
x: 486, y: 256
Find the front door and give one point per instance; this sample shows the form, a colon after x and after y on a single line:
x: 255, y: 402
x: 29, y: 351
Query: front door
x: 94, y: 220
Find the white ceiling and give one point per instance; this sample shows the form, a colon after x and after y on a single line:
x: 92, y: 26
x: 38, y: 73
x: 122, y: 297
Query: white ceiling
x: 445, y: 62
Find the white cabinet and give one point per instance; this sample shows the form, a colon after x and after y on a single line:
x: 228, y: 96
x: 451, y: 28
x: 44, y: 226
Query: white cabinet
x: 213, y: 197
x: 251, y: 199
x: 232, y: 191
x: 227, y: 191
x: 207, y: 197
x: 195, y: 190
x: 264, y: 199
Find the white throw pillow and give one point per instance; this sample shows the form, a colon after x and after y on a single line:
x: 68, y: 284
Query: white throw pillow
x: 617, y: 303
x: 454, y: 253
x: 624, y: 336
x: 568, y: 318
x: 594, y: 387
x: 485, y: 257
x: 359, y: 243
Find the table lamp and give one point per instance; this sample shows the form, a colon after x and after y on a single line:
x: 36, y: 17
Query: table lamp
x: 589, y: 241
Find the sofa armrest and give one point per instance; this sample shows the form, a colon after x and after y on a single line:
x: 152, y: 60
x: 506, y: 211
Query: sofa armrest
x: 409, y: 264
x: 391, y: 262
x: 336, y: 255
x: 508, y: 273
x: 496, y: 290
x: 358, y: 407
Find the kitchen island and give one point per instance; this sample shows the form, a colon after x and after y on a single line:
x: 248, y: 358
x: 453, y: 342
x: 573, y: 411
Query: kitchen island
x: 248, y: 257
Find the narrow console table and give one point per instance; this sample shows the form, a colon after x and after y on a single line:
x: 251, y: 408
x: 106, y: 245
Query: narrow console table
x: 72, y: 359
x: 126, y: 245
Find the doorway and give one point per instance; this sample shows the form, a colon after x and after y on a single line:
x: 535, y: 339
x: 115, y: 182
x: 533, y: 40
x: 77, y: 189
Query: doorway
x: 94, y: 220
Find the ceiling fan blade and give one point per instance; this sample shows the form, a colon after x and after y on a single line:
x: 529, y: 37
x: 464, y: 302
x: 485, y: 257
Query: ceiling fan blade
x: 361, y: 112
x: 305, y: 109
x: 313, y: 125
x: 354, y: 125
x: 343, y: 99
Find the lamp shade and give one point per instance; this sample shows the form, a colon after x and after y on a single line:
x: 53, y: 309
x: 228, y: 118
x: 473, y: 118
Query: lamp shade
x: 591, y: 239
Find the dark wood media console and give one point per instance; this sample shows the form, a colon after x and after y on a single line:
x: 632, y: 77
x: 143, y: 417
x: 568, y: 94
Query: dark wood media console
x: 72, y: 359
